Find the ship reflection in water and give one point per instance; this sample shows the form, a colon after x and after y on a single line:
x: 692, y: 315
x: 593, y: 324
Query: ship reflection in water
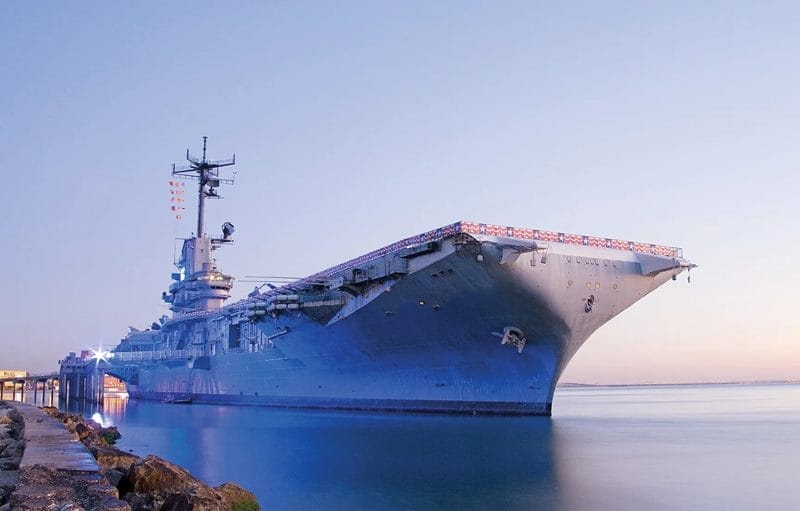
x: 698, y: 447
x: 306, y: 459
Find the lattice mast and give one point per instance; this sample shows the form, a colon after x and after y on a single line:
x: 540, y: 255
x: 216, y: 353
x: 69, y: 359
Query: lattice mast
x: 200, y: 285
x: 206, y: 172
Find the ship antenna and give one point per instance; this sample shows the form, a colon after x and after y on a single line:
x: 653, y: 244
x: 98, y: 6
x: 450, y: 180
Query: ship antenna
x: 207, y: 174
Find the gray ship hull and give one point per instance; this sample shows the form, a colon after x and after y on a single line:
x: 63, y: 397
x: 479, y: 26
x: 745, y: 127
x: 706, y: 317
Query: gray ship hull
x: 471, y: 323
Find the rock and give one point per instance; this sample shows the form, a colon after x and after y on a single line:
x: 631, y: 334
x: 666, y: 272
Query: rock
x: 87, y: 431
x: 116, y: 464
x: 158, y: 484
x: 86, y: 434
x: 114, y: 477
x: 10, y: 448
x: 42, y: 487
x: 110, y: 434
x: 141, y: 502
x: 234, y: 497
x: 198, y: 499
x: 112, y: 504
x: 11, y: 422
x: 6, y: 443
x: 155, y: 475
x: 52, y: 411
x: 10, y: 463
x: 177, y: 502
x: 111, y: 458
x: 8, y: 479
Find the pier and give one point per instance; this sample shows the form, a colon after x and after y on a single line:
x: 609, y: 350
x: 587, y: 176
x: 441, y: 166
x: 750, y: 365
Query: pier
x: 36, y: 383
x: 81, y: 379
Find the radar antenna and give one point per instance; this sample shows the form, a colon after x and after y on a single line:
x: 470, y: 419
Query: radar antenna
x: 206, y: 172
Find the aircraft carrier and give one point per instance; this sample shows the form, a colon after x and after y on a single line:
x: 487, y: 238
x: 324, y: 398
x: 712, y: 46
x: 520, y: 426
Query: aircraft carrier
x: 465, y: 318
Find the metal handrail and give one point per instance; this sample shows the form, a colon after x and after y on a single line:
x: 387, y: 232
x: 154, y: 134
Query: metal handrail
x: 136, y: 356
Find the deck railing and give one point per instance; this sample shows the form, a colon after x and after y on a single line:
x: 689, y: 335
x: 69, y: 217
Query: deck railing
x: 146, y: 356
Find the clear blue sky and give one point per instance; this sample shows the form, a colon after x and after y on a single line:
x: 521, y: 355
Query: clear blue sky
x: 359, y: 123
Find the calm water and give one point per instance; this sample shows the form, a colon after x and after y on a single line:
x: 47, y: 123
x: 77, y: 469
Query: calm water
x: 723, y: 447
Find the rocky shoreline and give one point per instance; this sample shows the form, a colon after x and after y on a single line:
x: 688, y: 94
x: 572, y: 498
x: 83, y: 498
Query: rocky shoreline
x: 119, y: 481
x: 12, y: 445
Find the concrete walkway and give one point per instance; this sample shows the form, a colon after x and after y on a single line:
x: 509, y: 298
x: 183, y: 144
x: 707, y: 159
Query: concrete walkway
x: 49, y: 443
x: 57, y: 471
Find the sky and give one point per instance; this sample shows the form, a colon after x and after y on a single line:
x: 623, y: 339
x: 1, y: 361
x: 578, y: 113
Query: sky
x: 356, y: 124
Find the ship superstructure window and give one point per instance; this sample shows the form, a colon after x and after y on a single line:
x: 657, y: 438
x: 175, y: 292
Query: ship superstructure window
x: 234, y: 336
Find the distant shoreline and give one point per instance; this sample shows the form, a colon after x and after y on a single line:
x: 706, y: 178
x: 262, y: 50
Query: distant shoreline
x: 574, y: 385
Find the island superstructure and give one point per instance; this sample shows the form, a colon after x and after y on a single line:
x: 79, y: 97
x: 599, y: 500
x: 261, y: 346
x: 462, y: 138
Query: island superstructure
x: 466, y: 318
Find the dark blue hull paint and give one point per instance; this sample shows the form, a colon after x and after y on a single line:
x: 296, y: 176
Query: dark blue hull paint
x: 383, y: 405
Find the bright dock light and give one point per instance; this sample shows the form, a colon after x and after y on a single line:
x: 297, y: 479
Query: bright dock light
x: 101, y: 354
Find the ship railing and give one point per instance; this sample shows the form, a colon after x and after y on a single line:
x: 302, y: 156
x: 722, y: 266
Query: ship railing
x: 72, y: 362
x: 146, y: 356
x: 490, y: 230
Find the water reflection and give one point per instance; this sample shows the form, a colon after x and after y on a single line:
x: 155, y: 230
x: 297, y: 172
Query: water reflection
x: 39, y: 396
x: 301, y: 459
x: 699, y: 447
x: 605, y: 449
x: 80, y: 407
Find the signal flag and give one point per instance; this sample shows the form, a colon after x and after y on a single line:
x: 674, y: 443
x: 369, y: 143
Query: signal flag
x: 176, y: 191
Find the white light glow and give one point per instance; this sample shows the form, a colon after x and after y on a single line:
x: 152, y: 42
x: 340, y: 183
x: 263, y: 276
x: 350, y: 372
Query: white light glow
x: 101, y: 354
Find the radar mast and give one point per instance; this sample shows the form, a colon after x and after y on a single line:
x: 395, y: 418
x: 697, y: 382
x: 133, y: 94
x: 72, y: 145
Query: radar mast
x: 200, y: 285
x: 206, y: 172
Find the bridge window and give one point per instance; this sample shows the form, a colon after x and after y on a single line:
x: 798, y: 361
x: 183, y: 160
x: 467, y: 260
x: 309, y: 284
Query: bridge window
x: 234, y: 336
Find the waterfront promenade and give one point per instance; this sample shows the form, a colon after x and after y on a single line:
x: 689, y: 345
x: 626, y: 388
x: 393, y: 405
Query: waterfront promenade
x: 55, y: 460
x: 55, y: 468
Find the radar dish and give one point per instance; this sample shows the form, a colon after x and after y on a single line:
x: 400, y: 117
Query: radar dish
x: 227, y: 230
